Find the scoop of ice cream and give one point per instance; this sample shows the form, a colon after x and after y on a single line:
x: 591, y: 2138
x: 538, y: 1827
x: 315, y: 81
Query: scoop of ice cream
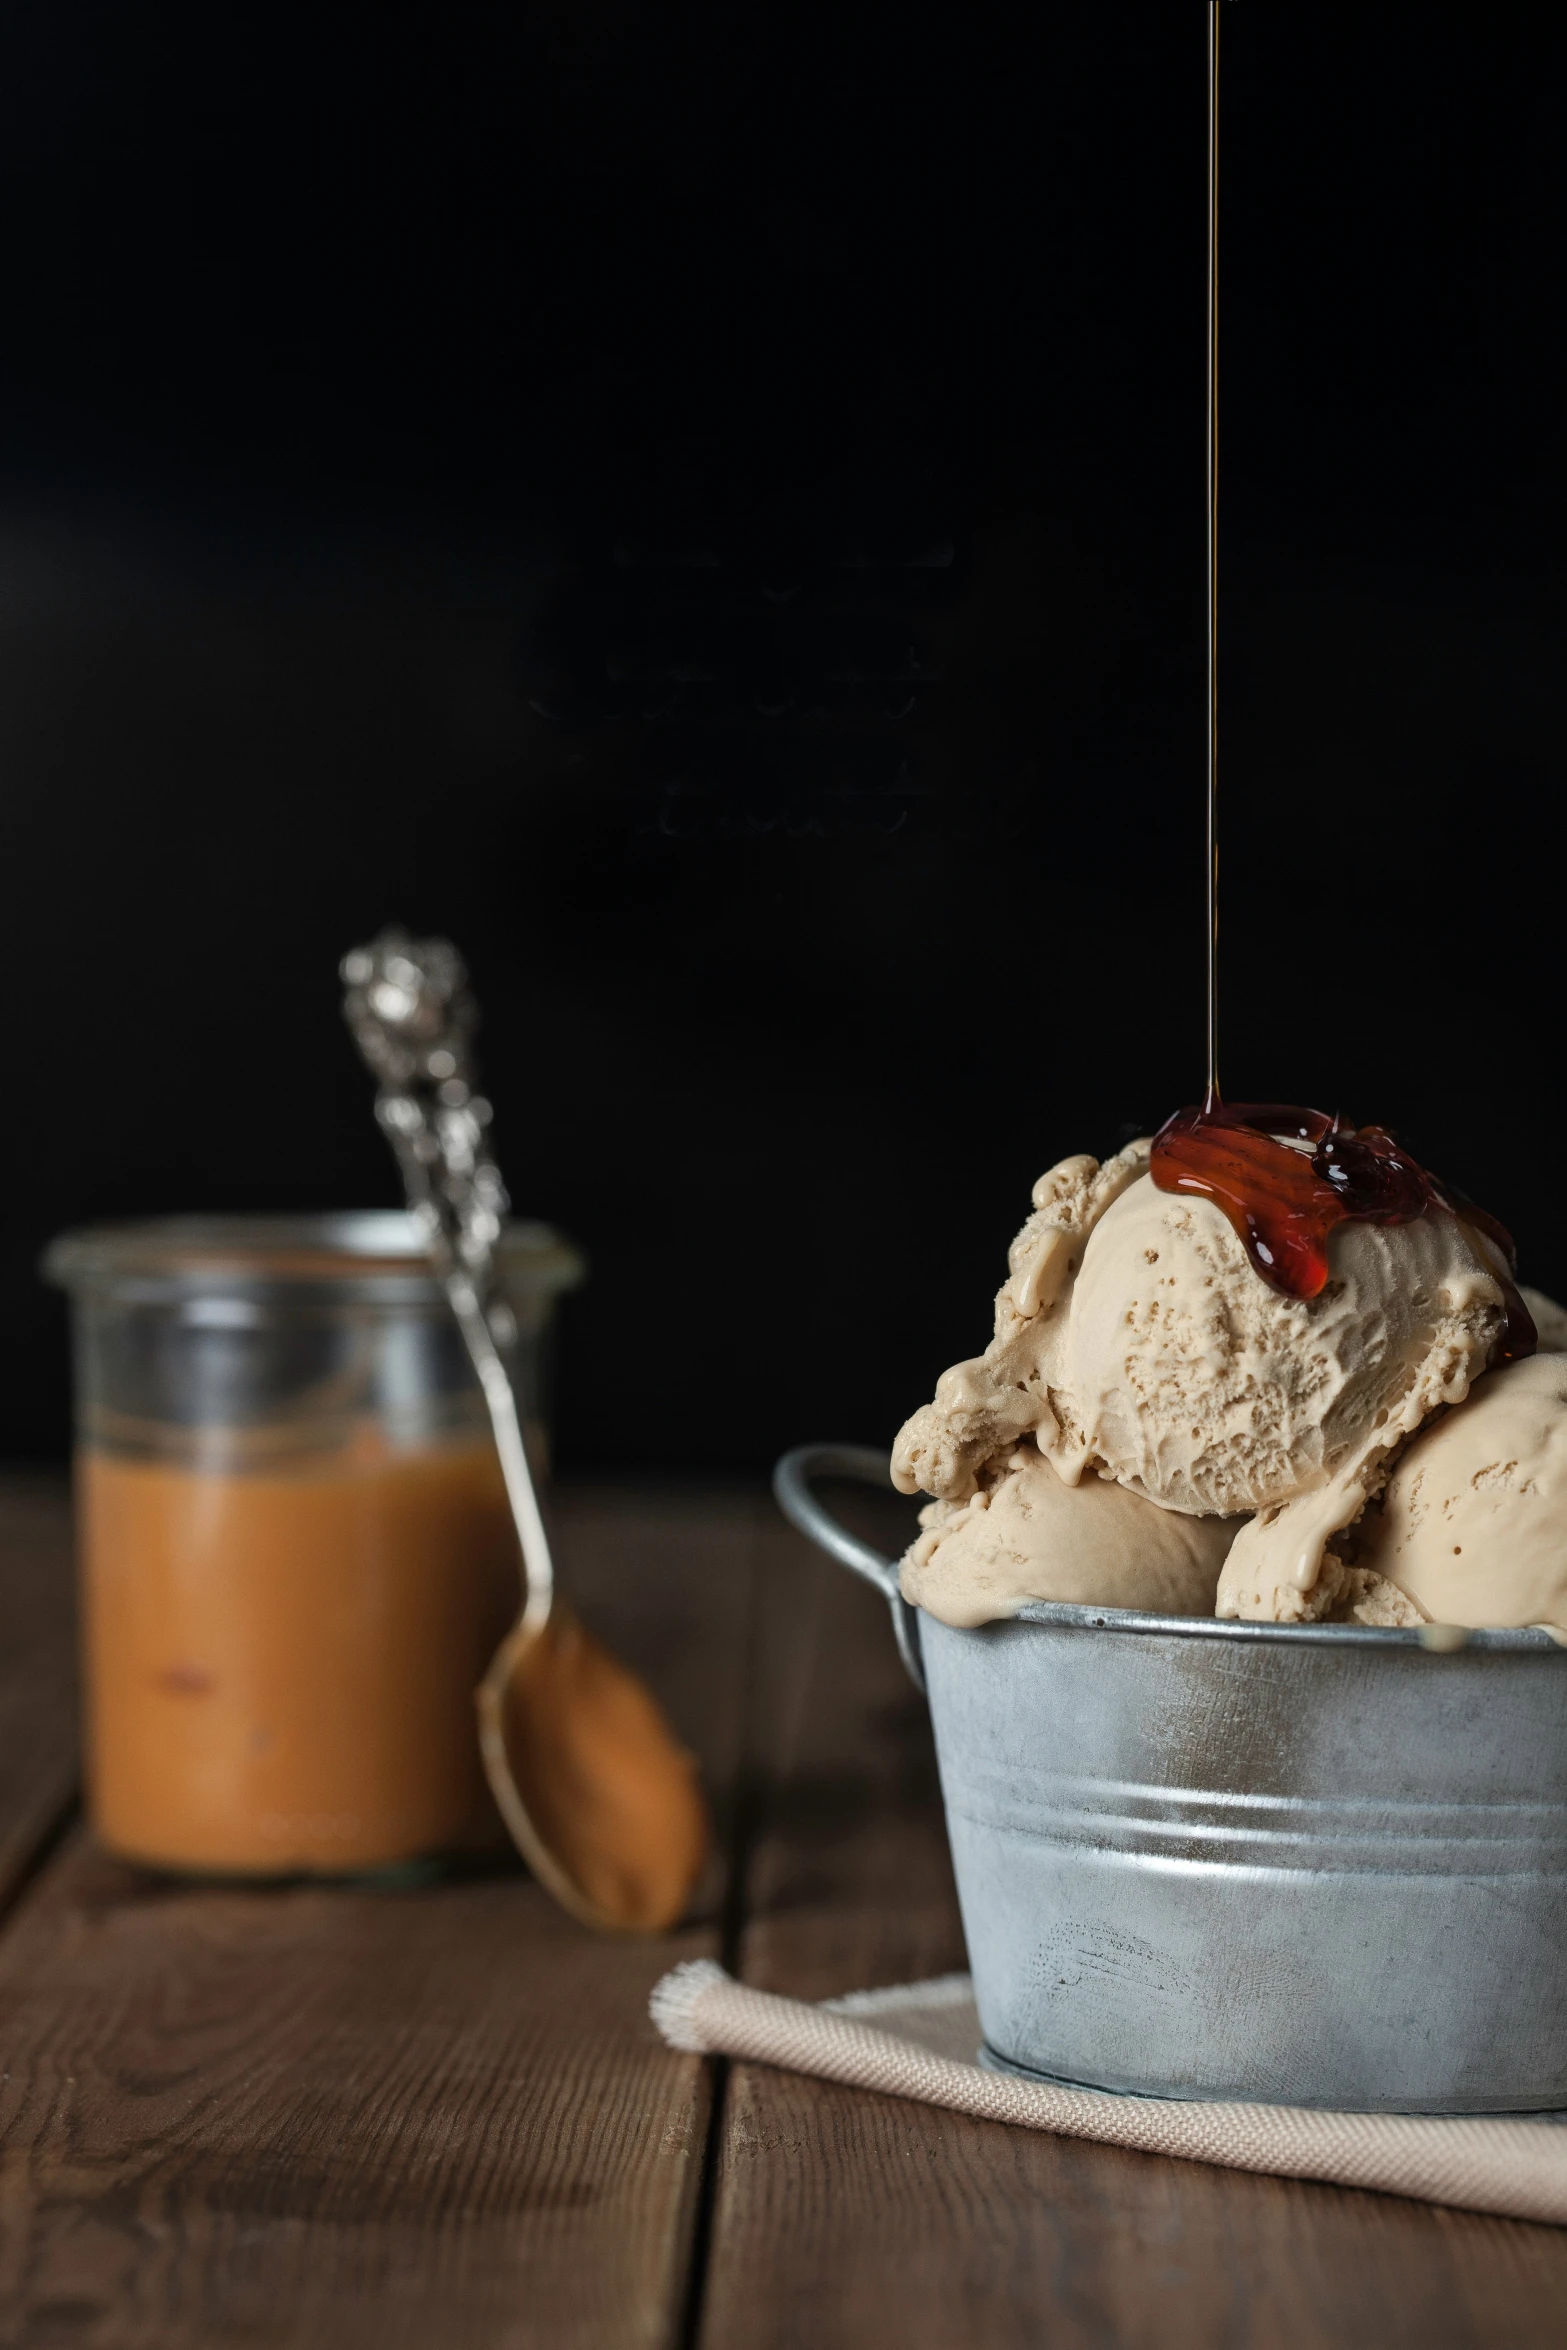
x: 1025, y: 1535
x: 1356, y: 1595
x: 982, y: 1407
x: 1135, y: 1338
x: 1205, y: 1389
x: 1473, y: 1524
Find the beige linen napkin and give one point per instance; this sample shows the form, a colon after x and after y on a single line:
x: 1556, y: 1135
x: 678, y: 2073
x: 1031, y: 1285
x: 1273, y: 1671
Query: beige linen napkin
x: 913, y: 2040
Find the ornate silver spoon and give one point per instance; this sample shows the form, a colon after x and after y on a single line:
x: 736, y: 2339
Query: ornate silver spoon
x: 601, y: 1800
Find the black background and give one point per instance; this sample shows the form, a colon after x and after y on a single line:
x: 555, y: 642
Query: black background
x: 703, y: 503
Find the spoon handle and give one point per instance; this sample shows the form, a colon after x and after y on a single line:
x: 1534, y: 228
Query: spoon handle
x: 501, y: 1397
x: 409, y: 1010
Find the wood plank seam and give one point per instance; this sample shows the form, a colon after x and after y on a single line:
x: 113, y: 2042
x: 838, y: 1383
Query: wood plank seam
x: 747, y: 1824
x: 38, y: 1745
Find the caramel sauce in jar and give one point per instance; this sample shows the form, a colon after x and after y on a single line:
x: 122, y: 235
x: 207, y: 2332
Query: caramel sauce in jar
x: 296, y: 1553
x: 280, y: 1664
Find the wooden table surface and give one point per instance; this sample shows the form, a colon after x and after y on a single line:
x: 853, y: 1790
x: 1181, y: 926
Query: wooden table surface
x: 438, y: 2115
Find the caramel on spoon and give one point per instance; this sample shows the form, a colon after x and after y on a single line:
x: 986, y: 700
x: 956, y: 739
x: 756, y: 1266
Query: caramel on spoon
x: 600, y: 1799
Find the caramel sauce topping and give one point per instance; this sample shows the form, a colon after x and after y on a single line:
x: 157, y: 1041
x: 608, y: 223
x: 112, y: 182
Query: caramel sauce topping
x: 1286, y: 1177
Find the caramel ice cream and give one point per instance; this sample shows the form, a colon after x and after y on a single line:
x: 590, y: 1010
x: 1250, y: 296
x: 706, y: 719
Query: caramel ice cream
x: 1024, y: 1535
x: 1473, y: 1525
x: 1136, y: 1343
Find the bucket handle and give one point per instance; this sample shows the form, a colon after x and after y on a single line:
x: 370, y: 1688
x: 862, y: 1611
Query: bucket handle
x: 792, y: 1489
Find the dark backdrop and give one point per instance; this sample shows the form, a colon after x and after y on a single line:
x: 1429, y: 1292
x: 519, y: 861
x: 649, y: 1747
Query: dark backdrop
x: 703, y: 503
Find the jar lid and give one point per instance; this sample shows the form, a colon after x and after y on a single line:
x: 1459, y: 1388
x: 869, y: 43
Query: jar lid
x: 376, y: 1250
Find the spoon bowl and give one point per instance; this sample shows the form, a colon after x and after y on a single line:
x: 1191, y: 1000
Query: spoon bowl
x: 602, y: 1803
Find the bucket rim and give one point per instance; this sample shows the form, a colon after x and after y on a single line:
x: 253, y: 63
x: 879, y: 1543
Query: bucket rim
x: 865, y: 1464
x: 1439, y: 1639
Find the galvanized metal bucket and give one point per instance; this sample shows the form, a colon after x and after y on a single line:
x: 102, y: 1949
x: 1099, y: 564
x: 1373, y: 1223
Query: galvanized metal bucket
x: 1307, y: 1865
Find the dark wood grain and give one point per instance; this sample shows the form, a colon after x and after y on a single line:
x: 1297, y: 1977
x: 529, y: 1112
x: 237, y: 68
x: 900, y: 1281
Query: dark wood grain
x: 355, y: 2115
x: 37, y: 1671
x: 843, y: 2219
x: 436, y: 2114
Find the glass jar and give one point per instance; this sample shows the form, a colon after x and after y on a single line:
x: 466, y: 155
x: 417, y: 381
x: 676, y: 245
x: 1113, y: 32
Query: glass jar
x: 296, y: 1554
